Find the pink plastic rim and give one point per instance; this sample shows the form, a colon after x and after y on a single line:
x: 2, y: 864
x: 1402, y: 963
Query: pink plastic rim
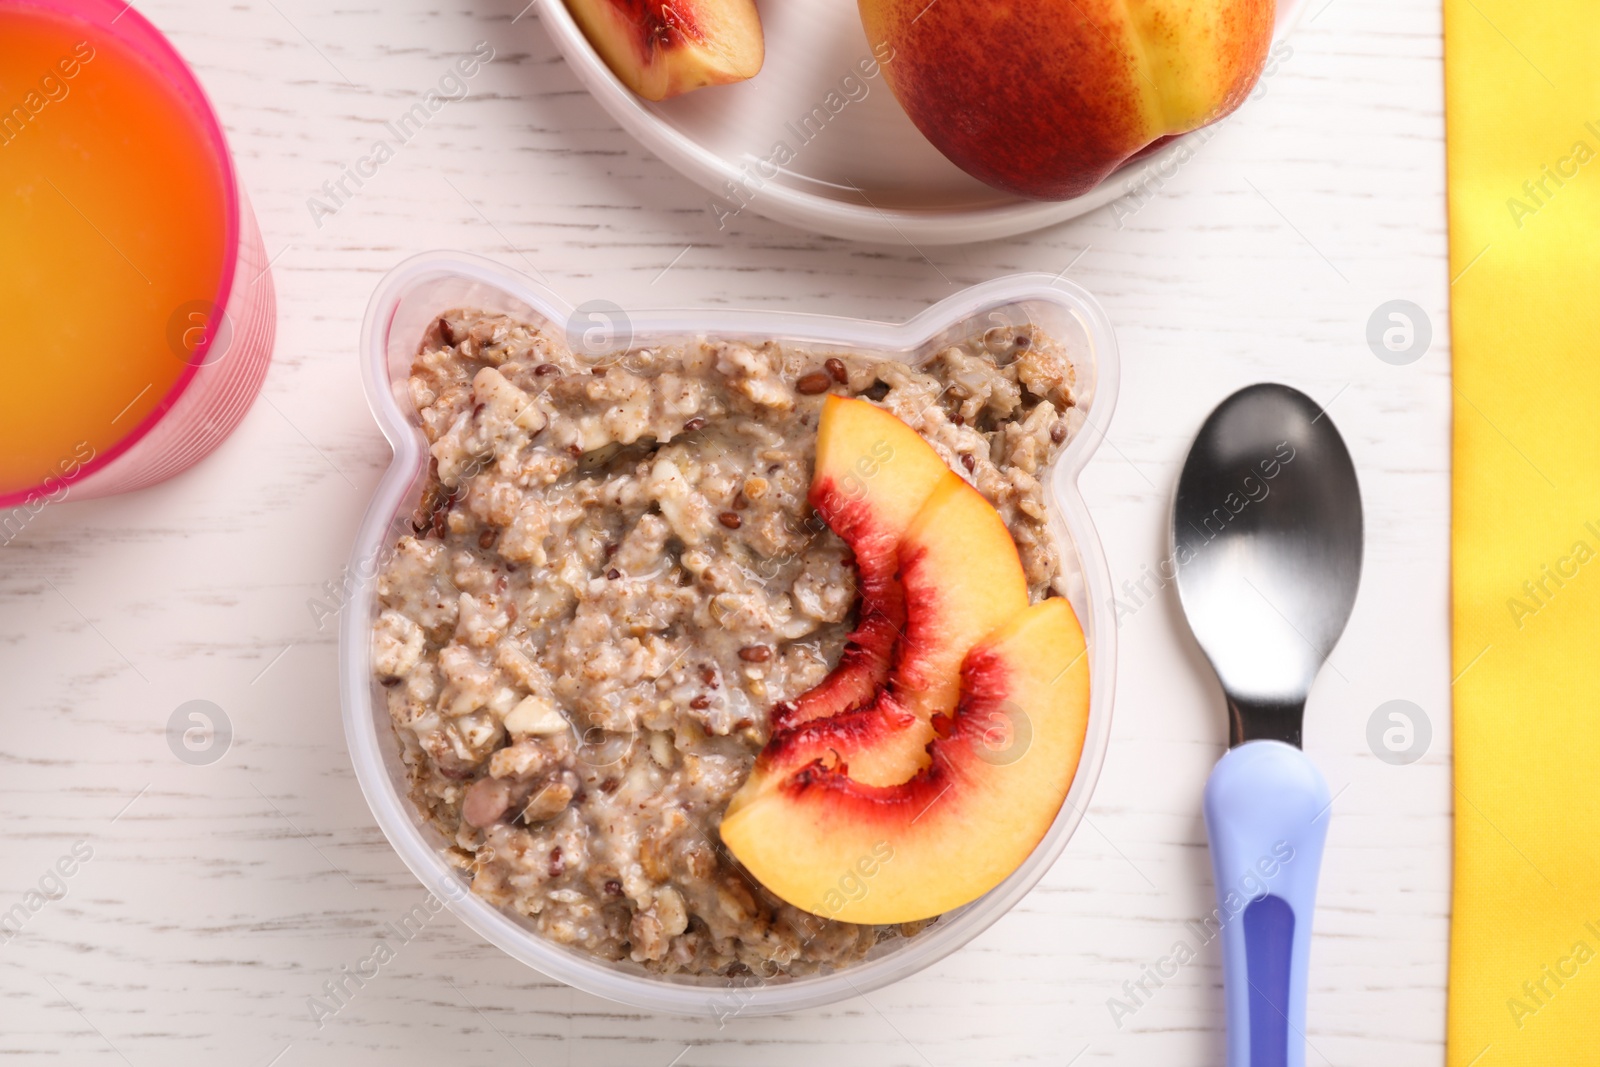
x: 151, y: 45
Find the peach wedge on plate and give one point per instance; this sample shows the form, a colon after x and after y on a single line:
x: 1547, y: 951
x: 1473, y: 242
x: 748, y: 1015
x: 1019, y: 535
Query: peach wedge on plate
x: 661, y: 50
x: 941, y: 758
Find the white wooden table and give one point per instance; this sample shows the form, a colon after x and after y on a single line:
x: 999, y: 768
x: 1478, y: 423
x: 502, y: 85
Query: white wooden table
x: 220, y: 897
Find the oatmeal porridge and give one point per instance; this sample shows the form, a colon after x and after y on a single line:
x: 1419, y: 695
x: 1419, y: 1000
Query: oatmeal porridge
x: 612, y: 576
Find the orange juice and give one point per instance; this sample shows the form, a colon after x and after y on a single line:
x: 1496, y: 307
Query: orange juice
x: 116, y: 219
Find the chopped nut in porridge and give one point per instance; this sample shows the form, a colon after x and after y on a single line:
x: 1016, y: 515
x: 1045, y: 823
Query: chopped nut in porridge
x: 611, y: 578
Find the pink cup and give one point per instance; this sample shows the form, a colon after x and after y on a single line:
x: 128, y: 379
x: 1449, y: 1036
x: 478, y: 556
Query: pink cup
x: 226, y: 352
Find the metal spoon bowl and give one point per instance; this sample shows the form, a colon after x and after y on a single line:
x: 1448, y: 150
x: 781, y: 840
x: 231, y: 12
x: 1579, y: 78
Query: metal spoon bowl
x: 1266, y: 529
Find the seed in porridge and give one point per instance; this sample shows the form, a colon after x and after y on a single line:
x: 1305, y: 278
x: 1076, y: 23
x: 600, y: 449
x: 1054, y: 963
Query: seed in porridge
x: 441, y: 514
x: 967, y: 461
x: 958, y: 419
x: 613, y: 574
x: 836, y: 369
x: 485, y: 538
x: 544, y: 370
x: 511, y: 611
x: 1022, y: 340
x: 812, y: 384
x: 557, y: 865
x: 694, y: 424
x: 389, y: 681
x: 608, y: 549
x: 613, y: 888
x: 700, y: 703
x: 730, y: 520
x: 755, y: 653
x: 609, y: 785
x: 598, y: 372
x: 1058, y: 433
x: 575, y: 451
x: 877, y: 390
x: 708, y: 675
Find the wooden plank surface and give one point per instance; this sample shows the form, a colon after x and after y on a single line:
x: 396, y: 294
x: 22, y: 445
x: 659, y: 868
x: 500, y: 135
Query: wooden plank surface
x: 219, y: 898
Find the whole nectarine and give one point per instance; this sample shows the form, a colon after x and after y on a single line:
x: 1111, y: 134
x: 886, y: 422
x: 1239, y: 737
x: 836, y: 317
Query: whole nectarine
x: 1044, y: 99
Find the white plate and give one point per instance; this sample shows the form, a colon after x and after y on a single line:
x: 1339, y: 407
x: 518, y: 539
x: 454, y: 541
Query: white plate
x: 864, y: 173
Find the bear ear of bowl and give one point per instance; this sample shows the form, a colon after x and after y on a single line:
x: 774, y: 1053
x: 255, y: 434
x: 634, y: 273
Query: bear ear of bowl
x: 413, y: 296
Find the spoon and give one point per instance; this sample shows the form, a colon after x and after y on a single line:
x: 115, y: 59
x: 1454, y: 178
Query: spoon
x: 1266, y: 535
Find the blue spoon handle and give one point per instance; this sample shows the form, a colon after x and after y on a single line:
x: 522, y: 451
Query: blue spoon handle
x: 1266, y: 808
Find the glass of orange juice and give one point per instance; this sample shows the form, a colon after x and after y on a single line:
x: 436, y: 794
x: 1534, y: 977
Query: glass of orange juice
x: 134, y: 285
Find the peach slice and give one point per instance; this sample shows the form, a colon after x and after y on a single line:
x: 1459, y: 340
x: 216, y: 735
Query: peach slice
x: 873, y: 474
x: 999, y: 769
x: 664, y: 48
x: 962, y: 579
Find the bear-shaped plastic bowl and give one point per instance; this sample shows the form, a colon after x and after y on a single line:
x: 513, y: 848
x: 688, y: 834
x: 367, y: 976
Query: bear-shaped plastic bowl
x: 416, y: 292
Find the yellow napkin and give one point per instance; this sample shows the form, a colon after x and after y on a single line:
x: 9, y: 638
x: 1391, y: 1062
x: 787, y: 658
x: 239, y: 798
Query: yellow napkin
x: 1522, y: 109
